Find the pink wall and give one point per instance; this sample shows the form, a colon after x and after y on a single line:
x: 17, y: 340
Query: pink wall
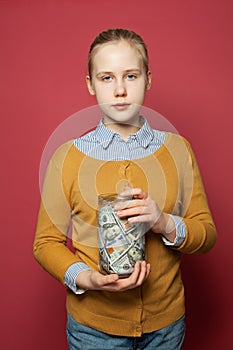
x: 44, y: 46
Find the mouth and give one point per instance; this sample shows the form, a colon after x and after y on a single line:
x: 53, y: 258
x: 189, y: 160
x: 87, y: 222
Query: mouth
x: 121, y: 106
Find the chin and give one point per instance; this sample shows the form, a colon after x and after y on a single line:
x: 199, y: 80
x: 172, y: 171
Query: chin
x: 126, y: 120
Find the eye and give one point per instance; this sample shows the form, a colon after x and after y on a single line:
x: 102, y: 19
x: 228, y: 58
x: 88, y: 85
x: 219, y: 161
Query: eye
x: 107, y: 78
x: 131, y: 76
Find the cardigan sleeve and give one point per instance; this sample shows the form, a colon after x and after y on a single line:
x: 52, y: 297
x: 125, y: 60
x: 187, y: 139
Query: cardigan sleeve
x: 200, y: 229
x: 50, y: 244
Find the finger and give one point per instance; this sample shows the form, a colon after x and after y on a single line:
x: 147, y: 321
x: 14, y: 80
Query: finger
x: 148, y: 270
x: 131, y: 204
x: 135, y: 207
x: 139, y: 275
x: 99, y: 280
x: 128, y: 212
x: 129, y: 282
x: 135, y: 275
x: 140, y: 194
x: 142, y: 218
x: 136, y: 192
x: 109, y: 279
x: 143, y: 273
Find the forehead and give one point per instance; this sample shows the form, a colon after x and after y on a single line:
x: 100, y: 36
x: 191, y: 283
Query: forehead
x: 117, y: 56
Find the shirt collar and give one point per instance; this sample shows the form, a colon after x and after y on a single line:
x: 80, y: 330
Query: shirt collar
x: 103, y: 134
x: 143, y: 136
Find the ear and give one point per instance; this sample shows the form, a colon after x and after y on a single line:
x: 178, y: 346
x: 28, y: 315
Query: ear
x: 149, y: 80
x: 89, y: 85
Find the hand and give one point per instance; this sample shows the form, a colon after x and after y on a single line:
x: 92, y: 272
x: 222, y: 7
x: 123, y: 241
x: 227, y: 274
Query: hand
x: 142, y: 208
x: 93, y: 280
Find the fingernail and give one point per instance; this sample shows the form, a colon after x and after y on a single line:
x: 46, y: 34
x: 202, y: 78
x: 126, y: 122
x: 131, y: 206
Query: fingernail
x: 119, y: 213
x: 131, y: 219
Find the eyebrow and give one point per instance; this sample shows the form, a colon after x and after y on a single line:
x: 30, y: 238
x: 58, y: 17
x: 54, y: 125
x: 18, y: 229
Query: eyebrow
x: 125, y: 72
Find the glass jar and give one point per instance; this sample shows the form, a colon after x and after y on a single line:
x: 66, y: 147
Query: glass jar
x: 121, y: 244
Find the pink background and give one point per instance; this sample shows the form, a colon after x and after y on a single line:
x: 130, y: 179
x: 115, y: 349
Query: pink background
x: 44, y: 47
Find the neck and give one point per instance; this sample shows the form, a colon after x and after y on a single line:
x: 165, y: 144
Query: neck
x: 124, y: 130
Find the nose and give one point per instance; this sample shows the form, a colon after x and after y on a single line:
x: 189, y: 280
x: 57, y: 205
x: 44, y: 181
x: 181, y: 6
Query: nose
x: 120, y: 89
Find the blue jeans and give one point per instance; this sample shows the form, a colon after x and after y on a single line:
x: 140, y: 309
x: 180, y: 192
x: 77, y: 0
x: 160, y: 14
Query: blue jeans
x: 81, y: 337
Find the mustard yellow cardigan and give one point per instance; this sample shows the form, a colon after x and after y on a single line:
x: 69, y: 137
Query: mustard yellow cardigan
x: 72, y: 184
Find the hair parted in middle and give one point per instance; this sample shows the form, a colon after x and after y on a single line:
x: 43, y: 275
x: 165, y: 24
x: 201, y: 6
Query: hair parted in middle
x: 115, y: 35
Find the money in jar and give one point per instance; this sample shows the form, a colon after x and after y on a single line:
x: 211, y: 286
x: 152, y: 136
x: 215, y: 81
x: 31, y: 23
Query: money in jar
x: 121, y: 244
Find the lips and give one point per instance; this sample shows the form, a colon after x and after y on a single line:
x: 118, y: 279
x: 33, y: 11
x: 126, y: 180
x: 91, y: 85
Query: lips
x: 121, y: 106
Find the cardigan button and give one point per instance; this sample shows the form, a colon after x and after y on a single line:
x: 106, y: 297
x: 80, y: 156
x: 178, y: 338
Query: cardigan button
x: 138, y: 331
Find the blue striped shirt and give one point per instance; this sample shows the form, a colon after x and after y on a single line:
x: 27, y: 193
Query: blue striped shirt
x: 102, y: 143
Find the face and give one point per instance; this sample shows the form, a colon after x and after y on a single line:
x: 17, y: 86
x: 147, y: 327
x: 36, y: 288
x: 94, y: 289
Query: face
x: 112, y: 232
x: 119, y: 82
x: 135, y: 254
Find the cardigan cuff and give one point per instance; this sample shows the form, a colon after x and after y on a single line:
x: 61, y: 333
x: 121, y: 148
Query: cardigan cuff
x: 71, y: 274
x: 180, y: 232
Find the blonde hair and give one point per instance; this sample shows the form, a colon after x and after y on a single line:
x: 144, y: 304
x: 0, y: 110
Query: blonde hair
x: 114, y: 35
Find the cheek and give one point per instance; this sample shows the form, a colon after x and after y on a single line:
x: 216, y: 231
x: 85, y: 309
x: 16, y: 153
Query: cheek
x: 138, y: 91
x: 103, y: 94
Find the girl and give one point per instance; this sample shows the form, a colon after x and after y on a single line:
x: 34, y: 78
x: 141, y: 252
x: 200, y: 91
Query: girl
x: 145, y: 310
